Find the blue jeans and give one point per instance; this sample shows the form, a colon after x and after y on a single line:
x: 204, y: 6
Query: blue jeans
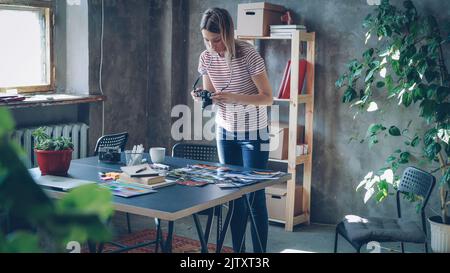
x: 244, y: 149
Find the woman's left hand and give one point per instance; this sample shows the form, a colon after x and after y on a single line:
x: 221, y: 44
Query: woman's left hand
x: 224, y: 97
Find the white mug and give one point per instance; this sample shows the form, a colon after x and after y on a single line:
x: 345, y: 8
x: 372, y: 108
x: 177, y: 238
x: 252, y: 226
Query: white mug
x: 157, y: 154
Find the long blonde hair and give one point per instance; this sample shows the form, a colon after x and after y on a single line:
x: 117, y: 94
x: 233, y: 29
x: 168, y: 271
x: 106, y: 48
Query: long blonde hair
x: 217, y: 20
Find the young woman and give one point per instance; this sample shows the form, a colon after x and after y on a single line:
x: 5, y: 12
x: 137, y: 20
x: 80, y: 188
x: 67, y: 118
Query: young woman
x: 235, y: 72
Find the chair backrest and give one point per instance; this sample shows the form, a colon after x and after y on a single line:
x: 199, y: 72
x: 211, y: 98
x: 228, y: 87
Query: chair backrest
x: 113, y: 140
x: 418, y: 182
x: 201, y: 152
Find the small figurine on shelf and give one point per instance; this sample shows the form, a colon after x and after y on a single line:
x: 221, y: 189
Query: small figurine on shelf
x: 286, y: 18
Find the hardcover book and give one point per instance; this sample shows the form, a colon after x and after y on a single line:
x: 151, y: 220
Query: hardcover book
x: 286, y: 94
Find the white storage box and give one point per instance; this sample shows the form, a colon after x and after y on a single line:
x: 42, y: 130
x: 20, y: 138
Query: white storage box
x: 254, y: 19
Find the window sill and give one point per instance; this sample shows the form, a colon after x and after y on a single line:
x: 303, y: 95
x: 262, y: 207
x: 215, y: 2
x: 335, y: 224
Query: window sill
x: 53, y: 100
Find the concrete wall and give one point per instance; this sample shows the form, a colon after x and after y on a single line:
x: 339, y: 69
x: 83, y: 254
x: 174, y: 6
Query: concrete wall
x: 143, y: 67
x: 125, y: 68
x: 150, y: 62
x: 337, y: 165
x: 77, y: 53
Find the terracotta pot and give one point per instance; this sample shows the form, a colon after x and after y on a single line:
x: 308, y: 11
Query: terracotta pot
x: 54, y: 162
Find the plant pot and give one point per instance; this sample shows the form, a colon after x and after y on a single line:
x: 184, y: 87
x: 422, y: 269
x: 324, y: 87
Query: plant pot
x: 54, y: 162
x: 440, y: 235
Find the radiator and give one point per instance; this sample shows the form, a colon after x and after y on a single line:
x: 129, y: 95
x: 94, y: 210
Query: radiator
x: 77, y: 132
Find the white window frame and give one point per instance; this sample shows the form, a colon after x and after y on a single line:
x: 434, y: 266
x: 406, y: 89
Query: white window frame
x: 47, y: 7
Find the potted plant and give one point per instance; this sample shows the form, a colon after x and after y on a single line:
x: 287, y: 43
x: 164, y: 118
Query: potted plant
x: 53, y: 154
x: 403, y: 66
x: 46, y: 225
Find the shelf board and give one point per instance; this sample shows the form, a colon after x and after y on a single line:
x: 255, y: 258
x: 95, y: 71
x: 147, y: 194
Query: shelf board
x: 284, y: 37
x: 278, y: 160
x: 300, y: 160
x: 301, y: 99
x: 304, y: 36
x: 298, y: 219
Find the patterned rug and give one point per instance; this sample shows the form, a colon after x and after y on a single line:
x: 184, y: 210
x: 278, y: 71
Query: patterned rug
x: 179, y: 244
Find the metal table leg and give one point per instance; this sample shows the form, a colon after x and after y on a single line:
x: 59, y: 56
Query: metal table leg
x: 168, y: 242
x: 221, y: 236
x: 201, y: 236
x: 252, y: 220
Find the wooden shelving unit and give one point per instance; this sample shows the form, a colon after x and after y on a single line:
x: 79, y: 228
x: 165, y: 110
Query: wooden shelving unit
x: 296, y: 37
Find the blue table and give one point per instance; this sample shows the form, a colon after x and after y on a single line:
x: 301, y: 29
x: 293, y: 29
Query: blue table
x: 173, y: 202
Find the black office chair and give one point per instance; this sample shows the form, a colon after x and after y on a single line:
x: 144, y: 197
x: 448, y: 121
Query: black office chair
x: 202, y: 152
x: 359, y: 231
x: 113, y: 140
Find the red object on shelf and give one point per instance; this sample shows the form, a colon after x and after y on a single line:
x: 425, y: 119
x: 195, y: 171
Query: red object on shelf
x: 287, y: 70
x: 54, y: 162
x: 286, y: 94
x: 286, y: 18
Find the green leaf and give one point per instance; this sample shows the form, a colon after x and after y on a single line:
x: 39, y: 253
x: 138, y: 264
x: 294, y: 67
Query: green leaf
x: 367, y: 55
x: 340, y: 82
x: 427, y: 109
x: 415, y: 141
x: 367, y: 21
x: 432, y: 150
x: 445, y: 179
x: 372, y: 141
x: 406, y: 99
x: 369, y: 76
x: 6, y: 121
x: 389, y: 83
x: 21, y: 242
x: 430, y: 136
x: 374, y: 128
x: 87, y: 199
x: 442, y: 92
x: 349, y: 95
x: 417, y: 94
x: 442, y: 112
x: 394, y: 131
x: 382, y: 192
x: 391, y: 159
x: 380, y: 84
x: 404, y: 158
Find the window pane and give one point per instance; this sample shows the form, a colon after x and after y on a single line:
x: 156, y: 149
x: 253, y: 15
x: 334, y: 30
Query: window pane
x: 23, y: 47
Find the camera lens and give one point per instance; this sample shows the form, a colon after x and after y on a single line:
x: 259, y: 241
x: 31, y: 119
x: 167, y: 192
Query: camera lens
x: 107, y: 156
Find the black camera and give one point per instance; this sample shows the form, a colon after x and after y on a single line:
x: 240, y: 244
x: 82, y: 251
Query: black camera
x: 201, y: 93
x: 109, y: 154
x: 206, y: 97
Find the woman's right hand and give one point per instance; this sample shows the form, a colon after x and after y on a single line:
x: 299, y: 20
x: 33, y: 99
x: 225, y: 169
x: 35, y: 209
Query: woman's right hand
x: 194, y: 97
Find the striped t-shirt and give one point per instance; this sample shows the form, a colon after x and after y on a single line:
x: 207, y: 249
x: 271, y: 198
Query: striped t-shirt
x: 236, y: 117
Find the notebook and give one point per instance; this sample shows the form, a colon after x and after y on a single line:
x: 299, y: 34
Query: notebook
x: 60, y: 182
x: 142, y: 170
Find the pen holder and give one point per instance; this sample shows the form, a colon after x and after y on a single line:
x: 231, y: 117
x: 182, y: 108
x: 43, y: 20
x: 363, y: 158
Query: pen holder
x: 132, y: 159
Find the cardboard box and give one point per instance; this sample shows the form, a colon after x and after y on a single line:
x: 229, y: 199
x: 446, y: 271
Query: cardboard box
x: 276, y: 201
x: 254, y: 19
x: 279, y: 139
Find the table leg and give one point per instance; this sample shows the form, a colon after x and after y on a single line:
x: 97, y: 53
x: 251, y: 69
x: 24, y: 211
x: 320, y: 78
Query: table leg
x: 221, y: 236
x: 159, y: 237
x: 201, y: 236
x: 168, y: 242
x: 252, y: 220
